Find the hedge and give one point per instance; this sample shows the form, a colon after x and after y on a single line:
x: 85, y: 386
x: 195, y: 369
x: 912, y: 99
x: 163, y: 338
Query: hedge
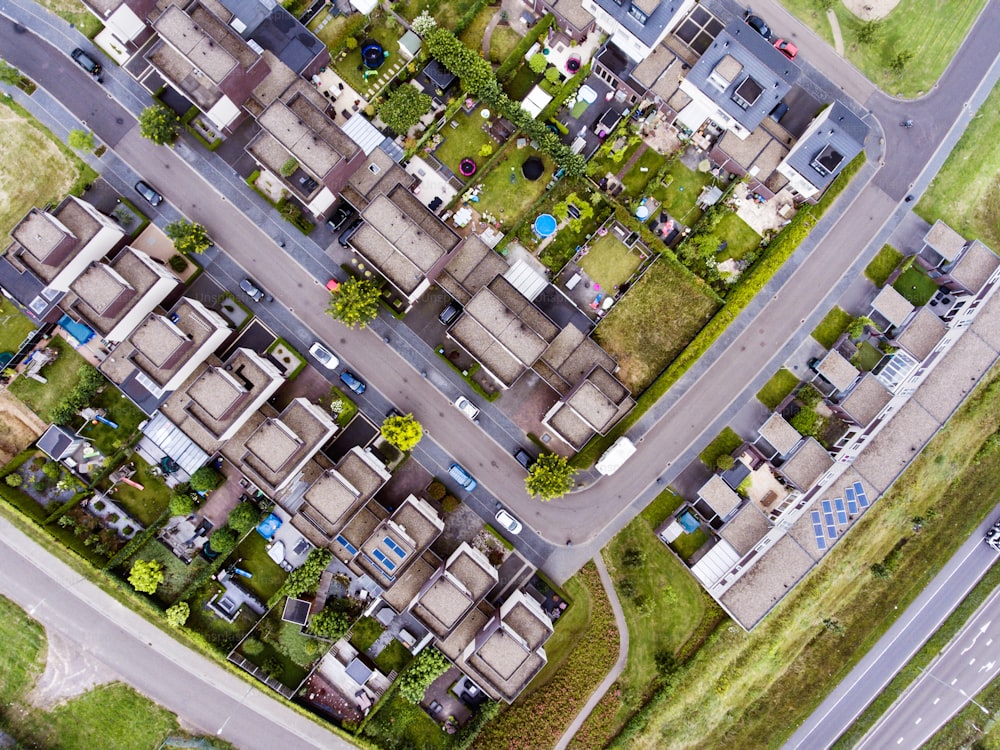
x: 513, y: 61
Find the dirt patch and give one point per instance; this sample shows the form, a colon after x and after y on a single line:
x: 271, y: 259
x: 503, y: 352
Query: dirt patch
x: 871, y: 10
x: 68, y: 673
x: 19, y: 427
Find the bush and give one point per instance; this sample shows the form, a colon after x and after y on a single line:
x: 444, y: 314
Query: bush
x: 243, y: 517
x: 224, y: 539
x: 206, y: 479
x: 425, y: 668
x: 181, y: 504
x: 178, y: 263
x: 450, y: 504
x: 633, y: 558
x: 725, y: 462
x: 14, y: 480
x: 288, y: 168
x: 436, y: 490
x: 252, y: 646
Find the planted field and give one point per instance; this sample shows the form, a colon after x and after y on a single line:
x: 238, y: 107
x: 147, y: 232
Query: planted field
x: 653, y: 323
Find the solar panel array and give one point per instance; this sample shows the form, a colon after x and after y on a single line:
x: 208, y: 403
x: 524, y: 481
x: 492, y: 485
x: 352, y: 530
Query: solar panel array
x: 859, y: 490
x: 831, y: 528
x: 818, y: 530
x: 825, y: 525
x: 841, y: 511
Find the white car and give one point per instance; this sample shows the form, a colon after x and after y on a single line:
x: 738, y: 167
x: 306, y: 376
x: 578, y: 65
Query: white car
x: 993, y: 536
x: 508, y: 521
x: 324, y: 356
x: 467, y: 408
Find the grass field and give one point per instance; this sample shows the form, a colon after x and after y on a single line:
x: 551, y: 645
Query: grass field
x: 915, y: 285
x: 680, y: 196
x: 177, y: 574
x: 883, y: 264
x: 929, y: 29
x: 447, y: 12
x: 645, y: 167
x: 739, y: 237
x: 790, y: 659
x: 401, y: 724
x: 724, y: 443
x: 780, y: 385
x: 62, y: 376
x: 267, y: 574
x: 610, y: 263
x: 146, y: 504
x: 463, y: 141
x: 348, y: 67
x: 502, y: 43
x: 393, y: 658
x: 833, y: 324
x: 37, y: 167
x: 472, y: 37
x: 966, y: 192
x: 120, y: 410
x: 653, y: 323
x: 15, y: 325
x: 506, y: 193
x: 23, y: 656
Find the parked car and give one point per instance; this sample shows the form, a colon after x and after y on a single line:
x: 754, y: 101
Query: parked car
x: 786, y: 48
x: 508, y: 522
x: 340, y: 216
x: 252, y: 291
x: 324, y: 356
x: 146, y: 191
x: 464, y: 478
x: 87, y: 62
x: 448, y: 315
x: 351, y: 380
x: 524, y: 458
x: 779, y: 111
x: 467, y: 408
x: 759, y: 25
x: 993, y: 536
x: 345, y: 236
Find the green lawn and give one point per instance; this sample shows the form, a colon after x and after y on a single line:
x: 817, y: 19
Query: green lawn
x: 687, y: 544
x: 833, y: 324
x: 401, y: 724
x: 931, y: 30
x: 267, y: 574
x: 610, y: 263
x: 637, y: 179
x: 883, y: 264
x: 605, y: 162
x: 332, y: 31
x: 289, y: 674
x: 724, y: 443
x: 740, y: 239
x: 22, y: 659
x: 447, y: 12
x: 221, y: 634
x: 62, y: 376
x: 348, y: 409
x: 147, y: 504
x: 393, y: 658
x: 506, y: 193
x: 464, y: 141
x: 680, y: 191
x: 472, y: 37
x: 653, y: 323
x: 177, y: 574
x: 347, y: 68
x: 15, y: 326
x: 916, y: 285
x: 866, y: 358
x: 780, y: 385
x: 502, y: 43
x: 365, y: 632
x: 966, y: 192
x: 521, y: 83
x: 120, y: 410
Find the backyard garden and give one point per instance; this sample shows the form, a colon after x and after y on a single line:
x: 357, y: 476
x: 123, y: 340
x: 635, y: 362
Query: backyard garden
x: 464, y: 136
x: 145, y: 505
x: 610, y: 263
x: 505, y: 192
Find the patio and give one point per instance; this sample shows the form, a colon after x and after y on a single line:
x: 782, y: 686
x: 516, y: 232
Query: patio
x: 440, y: 703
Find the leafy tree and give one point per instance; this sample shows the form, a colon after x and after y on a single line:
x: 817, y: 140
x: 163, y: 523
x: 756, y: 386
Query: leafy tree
x: 425, y: 668
x: 178, y: 614
x: 404, y: 108
x: 857, y: 327
x: 899, y: 62
x: 81, y: 140
x: 633, y: 558
x: 351, y: 43
x: 552, y: 74
x: 486, y: 150
x: 159, y: 124
x: 355, y: 302
x: 550, y: 477
x: 424, y: 23
x: 725, y: 462
x: 329, y: 623
x: 181, y: 504
x: 870, y: 32
x: 205, y: 479
x: 252, y: 646
x: 14, y: 480
x: 243, y: 517
x: 305, y: 578
x: 561, y: 210
x: 146, y: 575
x: 51, y: 470
x: 881, y: 571
x: 9, y: 74
x: 403, y: 432
x: 188, y: 237
x: 538, y: 62
x: 224, y: 539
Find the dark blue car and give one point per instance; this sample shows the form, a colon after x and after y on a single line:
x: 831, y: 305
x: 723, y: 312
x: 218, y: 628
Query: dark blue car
x: 351, y: 381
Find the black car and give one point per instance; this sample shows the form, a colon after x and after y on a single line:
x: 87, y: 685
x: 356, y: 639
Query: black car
x: 524, y: 458
x: 757, y: 24
x: 448, y: 315
x: 346, y: 235
x: 87, y: 62
x: 147, y: 192
x: 340, y: 216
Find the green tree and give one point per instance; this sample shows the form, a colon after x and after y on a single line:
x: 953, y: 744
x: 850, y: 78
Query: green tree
x: 549, y: 477
x: 403, y: 108
x: 329, y: 623
x: 425, y: 668
x: 486, y: 150
x: 899, y: 61
x: 178, y: 614
x: 182, y: 504
x: 243, y: 517
x: 561, y: 210
x: 205, y: 479
x: 870, y: 32
x: 14, y: 480
x: 538, y: 62
x: 403, y: 432
x: 552, y: 74
x: 81, y: 140
x: 159, y: 124
x: 305, y: 578
x: 424, y: 23
x: 224, y: 539
x: 188, y: 237
x: 355, y: 302
x: 146, y: 575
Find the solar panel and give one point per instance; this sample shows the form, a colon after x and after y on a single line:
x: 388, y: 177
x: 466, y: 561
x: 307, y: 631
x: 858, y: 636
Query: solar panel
x: 831, y: 528
x: 818, y: 530
x: 859, y: 490
x: 346, y: 545
x: 841, y: 511
x: 400, y: 552
x: 852, y: 504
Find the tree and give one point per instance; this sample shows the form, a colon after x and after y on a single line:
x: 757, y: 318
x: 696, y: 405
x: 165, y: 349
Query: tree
x: 870, y: 32
x: 552, y: 74
x: 146, y: 575
x: 329, y: 623
x: 403, y: 432
x: 158, y: 124
x: 224, y: 539
x: 181, y: 504
x: 81, y: 140
x: 427, y: 667
x: 178, y: 614
x: 305, y: 578
x: 355, y: 302
x: 538, y: 63
x: 404, y: 108
x: 205, y: 479
x: 550, y: 477
x: 584, y: 208
x: 243, y: 517
x: 424, y: 23
x: 188, y: 237
x: 486, y: 150
x: 899, y: 62
x: 14, y: 480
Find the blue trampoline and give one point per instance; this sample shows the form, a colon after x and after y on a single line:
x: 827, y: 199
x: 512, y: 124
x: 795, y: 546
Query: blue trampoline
x: 688, y: 522
x: 545, y: 225
x: 268, y: 526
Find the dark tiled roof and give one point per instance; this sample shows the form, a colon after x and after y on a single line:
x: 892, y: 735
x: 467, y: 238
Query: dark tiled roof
x: 830, y: 147
x: 656, y: 21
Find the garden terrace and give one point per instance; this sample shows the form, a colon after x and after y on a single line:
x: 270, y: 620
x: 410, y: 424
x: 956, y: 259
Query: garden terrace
x: 463, y: 136
x: 504, y: 192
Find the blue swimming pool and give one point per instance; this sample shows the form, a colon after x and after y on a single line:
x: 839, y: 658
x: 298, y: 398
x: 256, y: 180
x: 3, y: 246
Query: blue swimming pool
x: 689, y: 523
x: 545, y: 225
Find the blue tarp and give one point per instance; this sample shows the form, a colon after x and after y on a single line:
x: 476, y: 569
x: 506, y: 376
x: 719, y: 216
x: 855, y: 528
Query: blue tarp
x: 79, y: 331
x: 268, y: 526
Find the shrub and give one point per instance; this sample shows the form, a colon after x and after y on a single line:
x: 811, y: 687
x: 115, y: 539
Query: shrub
x: 288, y: 168
x: 495, y: 556
x: 450, y: 504
x: 538, y: 62
x: 205, y: 479
x: 182, y: 504
x: 633, y: 557
x: 252, y: 646
x: 329, y: 623
x: 178, y: 263
x: 725, y: 462
x: 436, y: 490
x: 14, y: 480
x: 425, y: 668
x: 243, y: 517
x: 224, y: 539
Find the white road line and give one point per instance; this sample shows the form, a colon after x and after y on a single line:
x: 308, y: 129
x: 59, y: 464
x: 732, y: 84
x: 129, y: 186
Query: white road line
x: 971, y: 662
x: 919, y: 719
x: 899, y: 741
x: 989, y: 642
x: 954, y: 681
x: 936, y: 700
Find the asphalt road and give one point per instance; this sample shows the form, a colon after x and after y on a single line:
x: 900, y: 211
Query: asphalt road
x: 892, y: 652
x: 209, y: 699
x: 966, y: 665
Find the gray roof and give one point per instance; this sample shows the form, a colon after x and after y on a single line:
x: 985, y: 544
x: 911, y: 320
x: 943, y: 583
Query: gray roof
x: 826, y: 150
x: 746, y: 58
x: 168, y: 437
x: 56, y: 442
x: 276, y: 30
x: 656, y: 20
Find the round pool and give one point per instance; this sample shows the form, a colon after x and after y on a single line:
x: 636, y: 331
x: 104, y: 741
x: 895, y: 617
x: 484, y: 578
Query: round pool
x: 545, y: 225
x: 642, y: 213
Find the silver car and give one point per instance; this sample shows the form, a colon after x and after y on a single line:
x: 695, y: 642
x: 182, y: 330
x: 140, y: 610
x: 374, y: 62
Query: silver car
x: 252, y: 291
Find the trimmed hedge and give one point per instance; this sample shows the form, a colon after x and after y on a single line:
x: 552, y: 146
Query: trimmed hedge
x: 506, y: 71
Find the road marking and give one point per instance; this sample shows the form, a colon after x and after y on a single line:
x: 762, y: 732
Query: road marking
x: 919, y: 719
x: 990, y: 641
x: 954, y: 681
x: 971, y: 662
x: 987, y: 666
x: 899, y: 741
x: 936, y: 700
x: 975, y: 638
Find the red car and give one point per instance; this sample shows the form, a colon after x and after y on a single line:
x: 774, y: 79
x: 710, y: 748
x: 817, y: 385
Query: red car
x: 786, y: 48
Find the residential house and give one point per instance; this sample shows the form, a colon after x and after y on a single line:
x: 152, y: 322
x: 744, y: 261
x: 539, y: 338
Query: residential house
x: 65, y: 446
x: 780, y: 436
x: 829, y: 144
x: 637, y: 26
x: 891, y: 307
x: 50, y: 249
x: 863, y: 402
x: 719, y: 496
x: 836, y: 370
x: 452, y: 591
x: 164, y: 351
x: 471, y: 268
x: 806, y: 464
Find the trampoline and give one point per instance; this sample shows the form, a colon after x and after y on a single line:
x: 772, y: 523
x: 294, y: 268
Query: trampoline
x: 533, y: 168
x: 467, y: 167
x: 689, y: 523
x: 573, y: 64
x: 372, y: 54
x: 545, y: 225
